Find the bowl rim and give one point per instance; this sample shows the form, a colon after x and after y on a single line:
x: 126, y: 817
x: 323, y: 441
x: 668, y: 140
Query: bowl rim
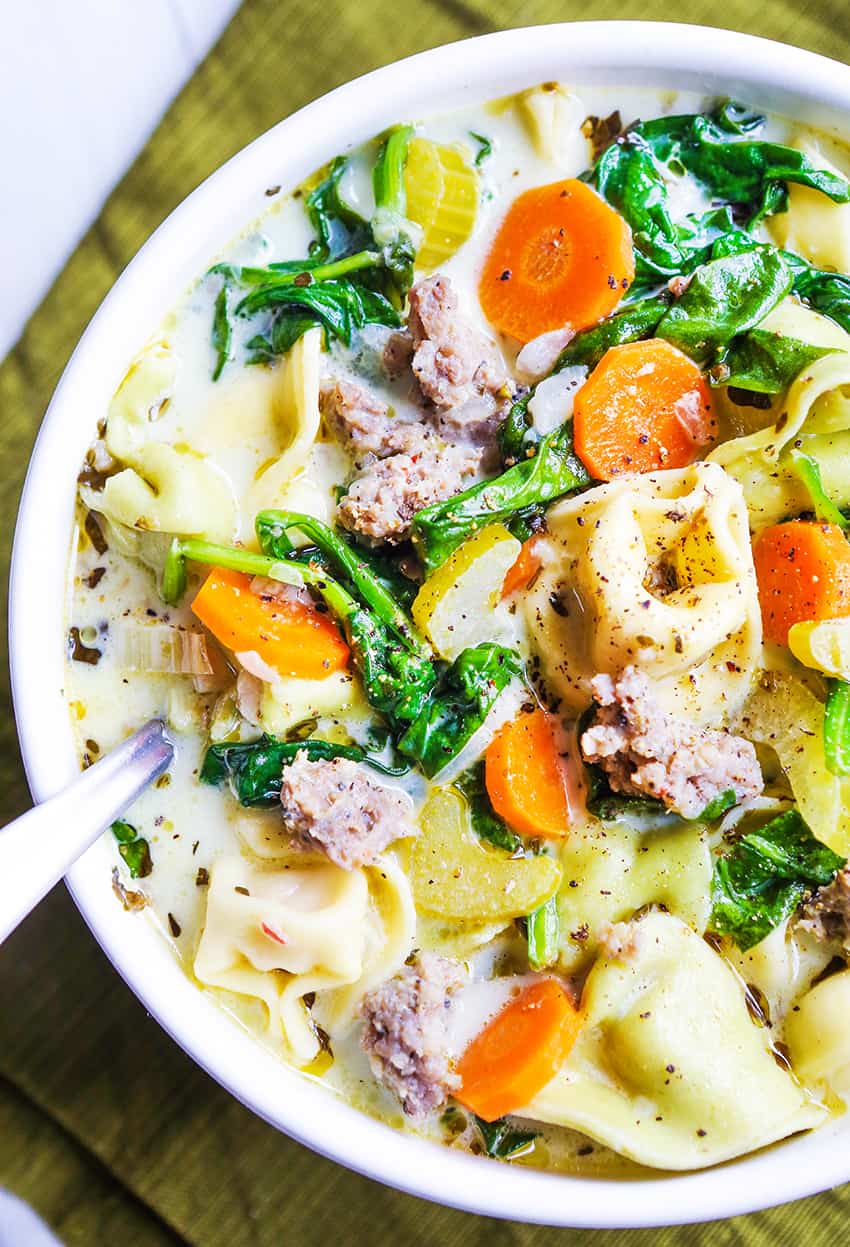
x: 485, y: 66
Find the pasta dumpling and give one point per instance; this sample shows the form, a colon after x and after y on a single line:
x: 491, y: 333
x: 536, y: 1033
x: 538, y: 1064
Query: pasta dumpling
x: 163, y: 489
x: 171, y: 491
x: 612, y: 871
x: 296, y: 411
x: 653, y: 571
x: 815, y: 418
x: 818, y: 1036
x: 668, y: 1068
x: 139, y: 400
x: 278, y: 934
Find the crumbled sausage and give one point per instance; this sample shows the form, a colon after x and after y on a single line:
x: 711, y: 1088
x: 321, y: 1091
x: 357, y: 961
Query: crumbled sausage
x: 383, y: 500
x: 453, y: 362
x: 366, y: 426
x: 405, y: 1034
x: 398, y: 352
x: 827, y: 914
x: 647, y: 752
x: 336, y: 807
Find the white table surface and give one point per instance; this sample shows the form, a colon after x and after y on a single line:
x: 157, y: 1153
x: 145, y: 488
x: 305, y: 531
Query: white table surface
x: 82, y: 85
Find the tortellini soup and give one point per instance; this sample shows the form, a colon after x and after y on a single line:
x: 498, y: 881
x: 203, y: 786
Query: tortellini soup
x: 479, y: 523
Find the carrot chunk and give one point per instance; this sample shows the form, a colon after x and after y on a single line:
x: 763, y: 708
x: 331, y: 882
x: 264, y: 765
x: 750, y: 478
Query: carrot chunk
x: 562, y: 258
x: 524, y: 774
x: 645, y: 406
x: 292, y: 638
x: 519, y: 1051
x: 803, y: 573
x: 521, y: 572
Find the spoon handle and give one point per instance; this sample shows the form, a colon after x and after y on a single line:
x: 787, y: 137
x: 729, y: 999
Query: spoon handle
x: 37, y: 848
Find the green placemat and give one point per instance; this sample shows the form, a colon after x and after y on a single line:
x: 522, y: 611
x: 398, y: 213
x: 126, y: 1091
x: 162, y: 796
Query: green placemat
x: 105, y: 1126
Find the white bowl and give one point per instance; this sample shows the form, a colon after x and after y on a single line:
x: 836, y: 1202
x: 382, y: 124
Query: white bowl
x: 764, y: 74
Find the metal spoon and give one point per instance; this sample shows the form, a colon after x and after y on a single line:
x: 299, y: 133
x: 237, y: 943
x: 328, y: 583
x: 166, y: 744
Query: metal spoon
x: 37, y: 849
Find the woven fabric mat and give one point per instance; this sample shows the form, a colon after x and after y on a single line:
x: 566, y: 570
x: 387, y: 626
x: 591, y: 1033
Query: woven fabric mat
x: 105, y: 1126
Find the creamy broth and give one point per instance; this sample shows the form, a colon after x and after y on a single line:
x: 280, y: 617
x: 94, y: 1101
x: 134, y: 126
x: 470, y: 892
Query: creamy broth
x: 231, y: 432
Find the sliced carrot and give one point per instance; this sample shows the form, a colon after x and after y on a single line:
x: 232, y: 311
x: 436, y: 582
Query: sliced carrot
x: 645, y: 406
x: 562, y: 259
x: 289, y: 636
x: 523, y: 569
x: 803, y: 573
x: 519, y: 1051
x: 525, y: 778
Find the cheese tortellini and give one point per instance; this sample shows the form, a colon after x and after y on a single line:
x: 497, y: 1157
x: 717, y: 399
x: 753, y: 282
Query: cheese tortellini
x: 164, y: 488
x: 654, y: 571
x: 818, y: 1035
x: 278, y: 934
x: 612, y: 871
x: 668, y: 1068
x: 815, y: 418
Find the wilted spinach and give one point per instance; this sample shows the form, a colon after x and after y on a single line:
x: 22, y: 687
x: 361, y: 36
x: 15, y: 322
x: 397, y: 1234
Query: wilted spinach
x: 503, y: 1141
x: 764, y: 876
x: 749, y: 175
x: 253, y: 770
x: 459, y: 705
x: 552, y: 472
x: 357, y: 272
x: 485, y: 821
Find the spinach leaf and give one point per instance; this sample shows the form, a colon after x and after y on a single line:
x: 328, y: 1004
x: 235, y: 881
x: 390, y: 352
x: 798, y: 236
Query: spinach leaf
x: 764, y: 362
x: 553, y: 471
x: 749, y: 175
x: 544, y: 935
x: 485, y: 821
x: 133, y: 848
x: 339, y: 306
x: 725, y: 298
x: 503, y: 1141
x: 459, y: 705
x: 253, y: 770
x: 345, y: 560
x: 339, y: 228
x: 825, y: 292
x: 718, y: 805
x: 357, y: 272
x: 222, y: 333
x: 765, y: 875
x: 836, y: 728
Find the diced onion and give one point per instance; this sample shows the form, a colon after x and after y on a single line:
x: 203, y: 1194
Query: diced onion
x: 553, y: 399
x: 539, y: 356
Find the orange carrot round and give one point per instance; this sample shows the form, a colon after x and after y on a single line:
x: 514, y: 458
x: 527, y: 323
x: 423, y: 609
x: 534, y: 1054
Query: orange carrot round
x: 645, y: 406
x: 291, y: 637
x: 803, y: 573
x: 523, y: 569
x: 524, y: 775
x: 562, y: 259
x: 519, y: 1051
